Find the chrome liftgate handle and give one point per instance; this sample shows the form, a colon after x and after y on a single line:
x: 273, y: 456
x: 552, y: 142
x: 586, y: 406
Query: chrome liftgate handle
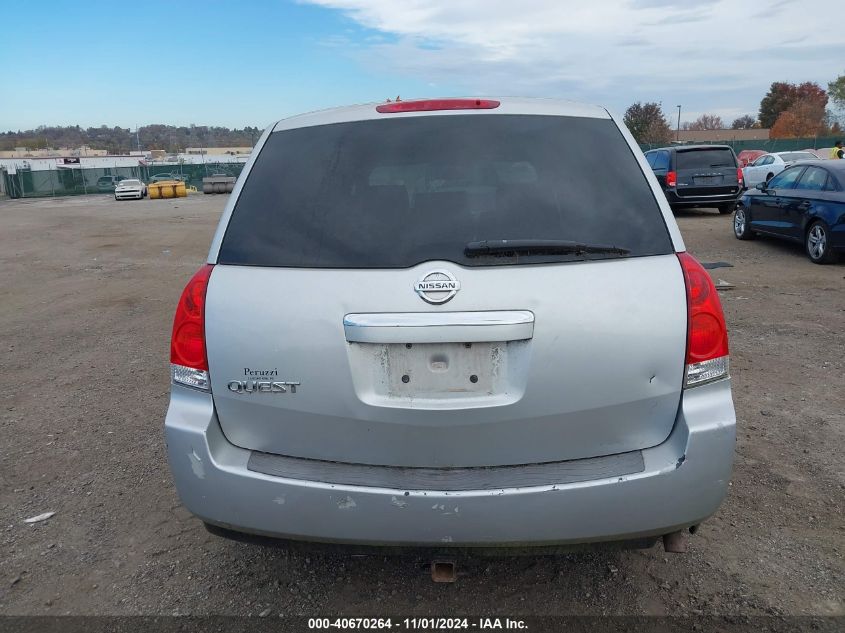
x: 439, y: 327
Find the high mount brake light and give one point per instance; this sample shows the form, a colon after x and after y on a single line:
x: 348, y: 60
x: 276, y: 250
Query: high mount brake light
x: 427, y: 105
x: 188, y: 359
x: 707, y: 333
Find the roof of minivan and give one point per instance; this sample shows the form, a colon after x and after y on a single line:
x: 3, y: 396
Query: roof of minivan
x: 508, y: 105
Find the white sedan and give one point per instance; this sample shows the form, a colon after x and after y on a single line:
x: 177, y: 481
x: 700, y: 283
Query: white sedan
x: 130, y: 190
x: 769, y: 165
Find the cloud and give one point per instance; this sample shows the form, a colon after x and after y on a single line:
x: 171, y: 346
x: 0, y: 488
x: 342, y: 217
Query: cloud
x: 772, y: 9
x: 613, y: 52
x: 633, y: 41
x: 651, y: 4
x: 682, y: 17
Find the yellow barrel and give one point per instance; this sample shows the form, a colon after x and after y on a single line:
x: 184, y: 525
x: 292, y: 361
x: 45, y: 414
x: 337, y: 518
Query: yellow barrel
x: 180, y: 190
x: 167, y: 189
x: 154, y: 190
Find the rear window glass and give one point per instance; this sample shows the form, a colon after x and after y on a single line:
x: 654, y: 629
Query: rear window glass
x: 705, y: 159
x: 790, y: 156
x: 393, y: 193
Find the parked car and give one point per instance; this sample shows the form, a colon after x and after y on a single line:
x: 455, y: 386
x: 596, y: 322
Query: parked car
x: 108, y: 183
x: 821, y: 154
x: 166, y: 176
x: 824, y: 153
x: 130, y: 189
x: 804, y: 203
x: 420, y: 341
x: 748, y: 156
x: 770, y: 165
x: 698, y: 176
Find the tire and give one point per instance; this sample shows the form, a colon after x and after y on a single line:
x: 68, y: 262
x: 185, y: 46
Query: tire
x: 817, y: 244
x: 115, y: 197
x: 742, y: 224
x: 725, y: 209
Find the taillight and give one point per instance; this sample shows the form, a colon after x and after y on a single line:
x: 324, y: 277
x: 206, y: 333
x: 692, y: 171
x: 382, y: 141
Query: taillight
x: 188, y: 360
x: 671, y: 179
x: 426, y: 105
x: 707, y: 334
x: 739, y: 175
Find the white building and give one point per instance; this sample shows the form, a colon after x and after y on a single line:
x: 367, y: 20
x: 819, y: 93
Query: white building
x: 11, y: 165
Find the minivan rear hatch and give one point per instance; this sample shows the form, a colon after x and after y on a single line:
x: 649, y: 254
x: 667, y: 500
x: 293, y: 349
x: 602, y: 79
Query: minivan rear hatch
x: 706, y: 171
x: 445, y: 291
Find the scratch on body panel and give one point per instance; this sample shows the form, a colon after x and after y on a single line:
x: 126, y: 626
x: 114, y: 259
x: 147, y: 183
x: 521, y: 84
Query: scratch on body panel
x: 196, y: 464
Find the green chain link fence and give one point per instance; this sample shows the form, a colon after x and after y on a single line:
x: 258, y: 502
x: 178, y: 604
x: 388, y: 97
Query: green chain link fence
x: 770, y: 145
x: 70, y: 181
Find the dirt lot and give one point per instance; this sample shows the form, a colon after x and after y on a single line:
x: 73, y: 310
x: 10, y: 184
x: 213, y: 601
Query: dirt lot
x: 87, y: 289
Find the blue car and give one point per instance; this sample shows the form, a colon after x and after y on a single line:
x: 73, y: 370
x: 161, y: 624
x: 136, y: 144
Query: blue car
x: 804, y: 203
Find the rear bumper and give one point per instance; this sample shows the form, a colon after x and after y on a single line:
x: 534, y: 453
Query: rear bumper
x: 701, y: 201
x: 682, y: 482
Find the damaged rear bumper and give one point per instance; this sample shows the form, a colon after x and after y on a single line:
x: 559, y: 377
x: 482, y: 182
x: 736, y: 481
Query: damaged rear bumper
x: 677, y: 484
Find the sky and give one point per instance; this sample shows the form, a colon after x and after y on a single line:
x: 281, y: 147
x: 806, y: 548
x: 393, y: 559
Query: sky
x: 251, y: 62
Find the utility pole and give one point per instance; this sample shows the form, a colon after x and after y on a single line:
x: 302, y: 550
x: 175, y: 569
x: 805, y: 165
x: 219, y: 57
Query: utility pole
x: 678, y: 132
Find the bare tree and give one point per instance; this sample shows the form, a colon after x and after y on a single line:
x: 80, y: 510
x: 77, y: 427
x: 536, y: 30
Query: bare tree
x: 705, y: 122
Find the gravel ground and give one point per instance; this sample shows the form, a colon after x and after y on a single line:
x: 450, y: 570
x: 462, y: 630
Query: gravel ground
x: 88, y: 287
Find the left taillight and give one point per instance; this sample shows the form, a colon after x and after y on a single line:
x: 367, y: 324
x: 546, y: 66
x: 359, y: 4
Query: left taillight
x: 707, y: 333
x: 188, y: 359
x: 671, y: 178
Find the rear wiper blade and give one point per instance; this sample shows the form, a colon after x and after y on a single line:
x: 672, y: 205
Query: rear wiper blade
x: 539, y: 247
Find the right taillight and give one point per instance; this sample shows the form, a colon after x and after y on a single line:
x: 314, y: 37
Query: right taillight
x: 671, y: 178
x: 707, y: 334
x: 188, y: 359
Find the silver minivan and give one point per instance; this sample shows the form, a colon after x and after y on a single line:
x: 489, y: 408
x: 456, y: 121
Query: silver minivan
x: 450, y: 322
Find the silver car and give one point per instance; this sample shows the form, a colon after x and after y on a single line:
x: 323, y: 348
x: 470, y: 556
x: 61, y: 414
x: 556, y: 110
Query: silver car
x: 453, y: 322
